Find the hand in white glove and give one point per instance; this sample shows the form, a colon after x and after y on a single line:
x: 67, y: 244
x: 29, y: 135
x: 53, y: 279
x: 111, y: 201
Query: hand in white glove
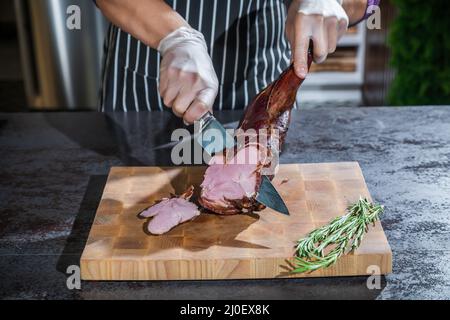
x: 322, y: 21
x: 188, y: 82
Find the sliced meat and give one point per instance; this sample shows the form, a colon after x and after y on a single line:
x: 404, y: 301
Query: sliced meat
x: 230, y: 184
x: 170, y: 212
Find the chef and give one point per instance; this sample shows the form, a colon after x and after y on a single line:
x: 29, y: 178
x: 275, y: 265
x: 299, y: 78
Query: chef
x: 197, y: 55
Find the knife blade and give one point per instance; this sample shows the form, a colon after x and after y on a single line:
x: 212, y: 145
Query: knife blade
x: 209, y: 122
x: 267, y: 194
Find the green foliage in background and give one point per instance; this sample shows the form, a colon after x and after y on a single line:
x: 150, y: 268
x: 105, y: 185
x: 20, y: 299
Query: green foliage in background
x: 420, y: 44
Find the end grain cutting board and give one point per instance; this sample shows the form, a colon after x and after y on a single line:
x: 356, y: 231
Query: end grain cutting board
x: 224, y: 247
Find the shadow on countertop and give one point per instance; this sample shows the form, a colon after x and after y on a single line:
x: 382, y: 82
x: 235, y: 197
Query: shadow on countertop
x: 82, y: 224
x: 136, y: 139
x: 97, y: 132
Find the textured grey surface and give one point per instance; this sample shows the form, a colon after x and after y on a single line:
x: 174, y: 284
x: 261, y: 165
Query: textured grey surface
x: 53, y: 168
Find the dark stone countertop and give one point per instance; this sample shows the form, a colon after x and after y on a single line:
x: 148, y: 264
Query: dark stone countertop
x: 53, y: 167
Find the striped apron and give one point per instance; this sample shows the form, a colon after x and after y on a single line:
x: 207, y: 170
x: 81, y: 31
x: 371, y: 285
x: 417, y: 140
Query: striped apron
x: 245, y: 39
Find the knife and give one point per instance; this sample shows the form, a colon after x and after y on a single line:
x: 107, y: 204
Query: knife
x: 209, y: 122
x: 267, y: 194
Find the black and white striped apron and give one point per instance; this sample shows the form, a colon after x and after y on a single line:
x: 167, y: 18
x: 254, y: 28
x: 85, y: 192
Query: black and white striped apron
x: 245, y: 39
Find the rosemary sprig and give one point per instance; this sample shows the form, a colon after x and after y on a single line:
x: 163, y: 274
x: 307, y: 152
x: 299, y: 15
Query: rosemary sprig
x: 342, y: 233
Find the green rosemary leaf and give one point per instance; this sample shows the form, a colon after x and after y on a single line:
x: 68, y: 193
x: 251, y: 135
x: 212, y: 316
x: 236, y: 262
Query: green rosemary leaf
x: 344, y: 233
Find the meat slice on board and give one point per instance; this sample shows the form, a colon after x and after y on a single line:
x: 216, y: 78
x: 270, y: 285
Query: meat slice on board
x: 170, y: 212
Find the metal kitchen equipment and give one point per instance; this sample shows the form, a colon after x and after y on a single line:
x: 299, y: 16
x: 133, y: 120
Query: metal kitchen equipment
x: 61, y: 67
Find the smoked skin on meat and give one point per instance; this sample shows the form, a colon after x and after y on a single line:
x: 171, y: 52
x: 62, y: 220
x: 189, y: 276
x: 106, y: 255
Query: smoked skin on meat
x: 231, y: 183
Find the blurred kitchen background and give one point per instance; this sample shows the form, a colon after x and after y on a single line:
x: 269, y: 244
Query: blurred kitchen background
x: 44, y: 66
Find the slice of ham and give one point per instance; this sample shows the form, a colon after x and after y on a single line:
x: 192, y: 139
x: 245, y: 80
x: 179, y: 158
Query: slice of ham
x: 170, y: 212
x: 229, y: 185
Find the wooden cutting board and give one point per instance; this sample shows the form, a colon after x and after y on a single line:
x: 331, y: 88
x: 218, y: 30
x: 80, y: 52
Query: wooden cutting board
x: 224, y: 247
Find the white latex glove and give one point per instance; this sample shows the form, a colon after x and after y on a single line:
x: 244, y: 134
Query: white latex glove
x: 322, y: 21
x: 188, y: 82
